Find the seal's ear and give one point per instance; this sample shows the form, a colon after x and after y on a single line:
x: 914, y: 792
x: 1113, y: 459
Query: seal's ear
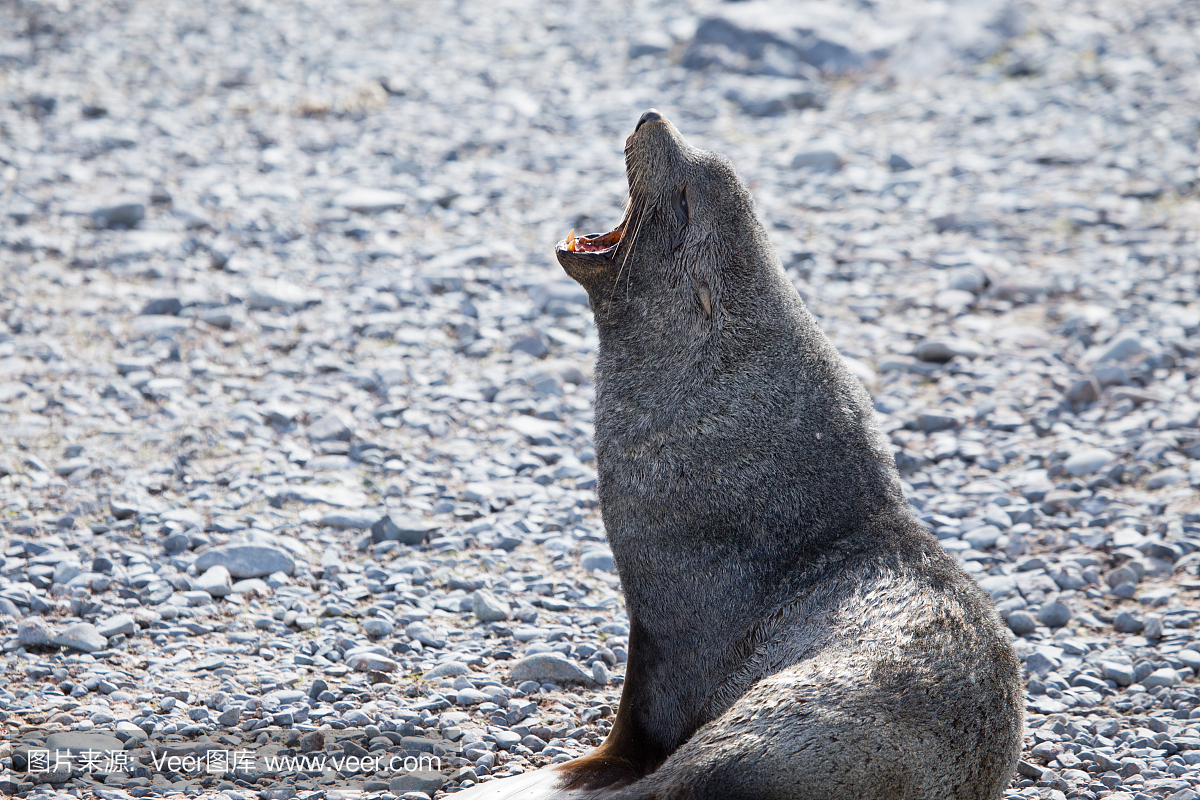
x: 593, y: 271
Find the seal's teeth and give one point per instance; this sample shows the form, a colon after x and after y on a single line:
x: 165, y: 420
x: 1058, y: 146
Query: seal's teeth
x: 571, y: 241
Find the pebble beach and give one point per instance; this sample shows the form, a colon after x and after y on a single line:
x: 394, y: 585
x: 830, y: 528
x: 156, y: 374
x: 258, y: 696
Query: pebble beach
x: 296, y: 403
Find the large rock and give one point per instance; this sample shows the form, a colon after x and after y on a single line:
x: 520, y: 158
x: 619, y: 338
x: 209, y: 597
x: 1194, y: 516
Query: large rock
x: 549, y: 668
x: 247, y: 560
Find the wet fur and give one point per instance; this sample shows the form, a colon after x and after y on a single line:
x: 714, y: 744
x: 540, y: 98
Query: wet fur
x: 795, y: 631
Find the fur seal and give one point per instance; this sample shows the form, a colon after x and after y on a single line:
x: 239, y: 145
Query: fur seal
x: 795, y: 632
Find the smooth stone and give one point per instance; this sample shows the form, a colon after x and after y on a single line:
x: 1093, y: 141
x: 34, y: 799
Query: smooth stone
x: 268, y: 294
x: 122, y: 624
x: 549, y: 668
x: 371, y: 662
x: 369, y: 201
x: 185, y: 516
x: 488, y: 607
x: 81, y: 636
x: 404, y: 528
x: 1055, y: 614
x: 421, y: 780
x: 1190, y: 658
x: 377, y: 627
x: 939, y: 351
x: 34, y: 631
x: 82, y: 741
x: 1161, y: 677
x: 66, y: 570
x: 163, y: 305
x: 247, y: 560
x: 1085, y: 462
x: 120, y: 215
x: 1167, y: 477
x: 1117, y: 672
x: 448, y: 669
x: 337, y: 496
x: 1128, y: 623
x: 252, y: 586
x: 216, y: 580
x: 817, y: 161
x: 1084, y: 390
x: 982, y: 538
x: 351, y: 519
x: 1022, y: 622
x: 470, y: 697
x: 1122, y: 348
x: 336, y: 425
x: 932, y: 421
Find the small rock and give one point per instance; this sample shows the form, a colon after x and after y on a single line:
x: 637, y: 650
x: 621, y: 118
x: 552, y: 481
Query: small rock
x: 1161, y: 677
x: 1084, y: 390
x: 1054, y: 614
x: 939, y: 351
x: 421, y: 780
x: 488, y: 607
x: 121, y: 215
x: 404, y: 528
x: 818, y: 161
x: 118, y: 624
x: 377, y: 627
x: 1117, y: 672
x: 549, y: 668
x: 163, y: 305
x: 1085, y: 462
x: 1122, y: 348
x: 247, y: 560
x: 268, y: 294
x: 1167, y: 477
x: 216, y: 581
x: 1128, y: 623
x: 34, y: 631
x: 336, y: 425
x: 369, y: 201
x: 898, y: 163
x: 370, y: 662
x: 81, y: 636
x: 1022, y: 622
x: 983, y: 537
x: 932, y: 421
x: 449, y: 669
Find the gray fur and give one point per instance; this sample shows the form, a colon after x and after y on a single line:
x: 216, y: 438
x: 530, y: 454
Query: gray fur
x: 795, y: 631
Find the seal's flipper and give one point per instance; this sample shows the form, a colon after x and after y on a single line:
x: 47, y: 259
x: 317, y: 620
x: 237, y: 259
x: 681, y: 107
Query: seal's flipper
x: 542, y: 784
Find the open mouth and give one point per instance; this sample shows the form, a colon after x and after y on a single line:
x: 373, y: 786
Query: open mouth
x: 602, y: 243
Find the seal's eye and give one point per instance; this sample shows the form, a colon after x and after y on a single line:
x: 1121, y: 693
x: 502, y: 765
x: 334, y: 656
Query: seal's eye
x: 681, y: 206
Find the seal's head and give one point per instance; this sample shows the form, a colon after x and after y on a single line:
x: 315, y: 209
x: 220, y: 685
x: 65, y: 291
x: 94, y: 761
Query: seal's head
x: 689, y: 236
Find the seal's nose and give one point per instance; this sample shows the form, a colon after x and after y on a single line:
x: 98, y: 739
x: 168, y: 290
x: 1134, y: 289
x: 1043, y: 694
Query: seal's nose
x: 648, y: 116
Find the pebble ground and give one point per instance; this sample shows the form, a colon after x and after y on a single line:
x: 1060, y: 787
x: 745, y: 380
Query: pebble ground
x: 295, y: 409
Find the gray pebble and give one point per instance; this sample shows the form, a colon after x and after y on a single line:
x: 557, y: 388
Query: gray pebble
x: 247, y: 560
x: 549, y: 668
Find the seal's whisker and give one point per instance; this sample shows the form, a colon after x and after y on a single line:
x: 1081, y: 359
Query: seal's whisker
x: 632, y: 243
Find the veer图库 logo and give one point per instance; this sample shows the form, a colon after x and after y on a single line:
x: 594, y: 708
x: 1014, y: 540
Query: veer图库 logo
x: 326, y: 757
